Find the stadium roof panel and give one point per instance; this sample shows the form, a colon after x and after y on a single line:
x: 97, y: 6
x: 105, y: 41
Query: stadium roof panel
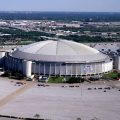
x: 59, y: 51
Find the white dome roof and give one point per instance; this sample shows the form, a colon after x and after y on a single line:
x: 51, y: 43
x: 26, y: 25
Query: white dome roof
x: 58, y: 51
x: 60, y: 47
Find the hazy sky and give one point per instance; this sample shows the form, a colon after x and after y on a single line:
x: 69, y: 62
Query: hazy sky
x: 61, y: 5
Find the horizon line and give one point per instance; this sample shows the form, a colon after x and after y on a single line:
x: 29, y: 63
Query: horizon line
x: 62, y: 11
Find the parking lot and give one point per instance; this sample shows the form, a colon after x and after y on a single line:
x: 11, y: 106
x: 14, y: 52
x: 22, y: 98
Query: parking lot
x: 62, y: 102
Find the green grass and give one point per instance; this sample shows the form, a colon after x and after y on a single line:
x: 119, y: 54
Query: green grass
x: 64, y: 80
x: 55, y: 80
x: 112, y: 75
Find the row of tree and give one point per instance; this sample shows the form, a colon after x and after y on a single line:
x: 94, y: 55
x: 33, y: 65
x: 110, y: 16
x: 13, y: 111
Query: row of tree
x: 84, y: 38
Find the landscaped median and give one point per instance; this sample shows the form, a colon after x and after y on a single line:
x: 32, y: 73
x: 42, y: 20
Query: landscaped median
x: 111, y: 75
x: 62, y: 79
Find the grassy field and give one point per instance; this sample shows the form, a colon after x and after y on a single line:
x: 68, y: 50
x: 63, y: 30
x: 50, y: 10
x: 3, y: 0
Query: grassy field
x: 56, y: 80
x: 65, y: 80
x: 111, y: 75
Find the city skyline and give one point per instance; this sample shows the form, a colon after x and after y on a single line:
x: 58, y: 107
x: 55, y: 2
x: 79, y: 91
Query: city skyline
x: 63, y: 5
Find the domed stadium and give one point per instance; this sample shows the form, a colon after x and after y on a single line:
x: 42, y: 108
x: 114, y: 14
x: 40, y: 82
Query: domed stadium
x: 58, y: 58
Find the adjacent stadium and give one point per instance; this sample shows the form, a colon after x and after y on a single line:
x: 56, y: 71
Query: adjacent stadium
x: 58, y: 58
